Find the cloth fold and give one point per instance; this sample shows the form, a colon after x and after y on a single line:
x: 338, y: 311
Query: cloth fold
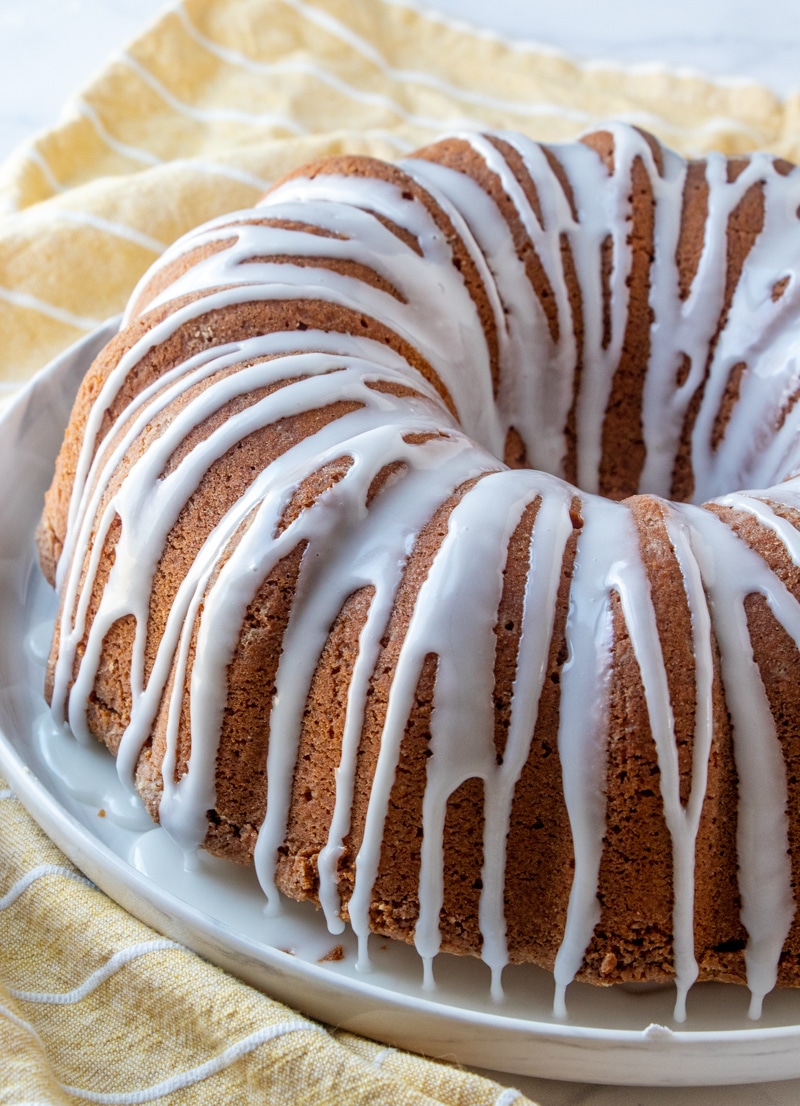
x: 217, y: 99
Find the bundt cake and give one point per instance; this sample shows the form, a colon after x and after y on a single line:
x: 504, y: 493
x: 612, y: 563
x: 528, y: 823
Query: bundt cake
x: 399, y: 547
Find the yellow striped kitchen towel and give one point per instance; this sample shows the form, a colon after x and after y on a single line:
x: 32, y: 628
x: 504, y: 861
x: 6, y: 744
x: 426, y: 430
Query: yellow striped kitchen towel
x: 194, y: 118
x: 97, y: 1008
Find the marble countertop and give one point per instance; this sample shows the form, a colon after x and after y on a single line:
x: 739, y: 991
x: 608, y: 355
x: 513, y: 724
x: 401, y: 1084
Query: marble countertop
x: 50, y: 48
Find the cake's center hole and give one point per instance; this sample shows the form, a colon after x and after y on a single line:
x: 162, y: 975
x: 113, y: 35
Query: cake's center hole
x: 619, y: 473
x: 619, y: 457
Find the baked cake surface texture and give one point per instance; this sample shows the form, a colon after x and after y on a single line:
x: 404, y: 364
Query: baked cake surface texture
x: 399, y: 547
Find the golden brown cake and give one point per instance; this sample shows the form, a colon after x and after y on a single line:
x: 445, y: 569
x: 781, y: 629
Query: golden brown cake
x: 399, y: 548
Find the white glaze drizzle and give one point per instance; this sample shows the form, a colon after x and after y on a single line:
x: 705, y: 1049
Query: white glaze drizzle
x: 426, y: 302
x: 684, y: 820
x: 581, y: 733
x: 762, y: 833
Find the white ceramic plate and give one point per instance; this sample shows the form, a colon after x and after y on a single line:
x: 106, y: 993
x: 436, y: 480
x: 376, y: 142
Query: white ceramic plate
x: 612, y: 1035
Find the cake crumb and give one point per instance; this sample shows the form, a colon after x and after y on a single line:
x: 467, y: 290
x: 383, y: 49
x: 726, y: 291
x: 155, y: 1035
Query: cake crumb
x: 609, y: 964
x: 336, y: 953
x: 101, y: 813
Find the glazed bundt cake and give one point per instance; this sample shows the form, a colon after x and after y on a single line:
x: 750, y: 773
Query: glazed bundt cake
x: 399, y: 547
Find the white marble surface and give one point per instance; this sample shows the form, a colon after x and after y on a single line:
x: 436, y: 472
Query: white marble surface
x: 50, y: 48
